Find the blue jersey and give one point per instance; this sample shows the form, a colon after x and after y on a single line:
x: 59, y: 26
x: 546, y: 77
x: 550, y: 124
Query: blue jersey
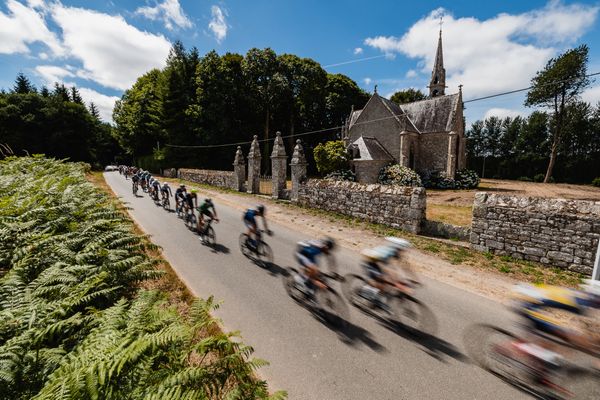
x: 250, y: 215
x: 310, y: 250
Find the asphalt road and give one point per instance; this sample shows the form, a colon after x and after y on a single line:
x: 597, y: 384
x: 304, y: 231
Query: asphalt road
x: 308, y: 358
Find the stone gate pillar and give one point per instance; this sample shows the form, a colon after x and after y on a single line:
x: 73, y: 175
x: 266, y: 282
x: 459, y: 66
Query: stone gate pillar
x: 278, y: 167
x: 239, y: 171
x: 298, y: 166
x: 451, y: 167
x: 254, y: 159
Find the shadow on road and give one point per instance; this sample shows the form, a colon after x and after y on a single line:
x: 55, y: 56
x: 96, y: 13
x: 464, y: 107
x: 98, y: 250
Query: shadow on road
x: 431, y: 344
x: 219, y: 248
x: 272, y: 268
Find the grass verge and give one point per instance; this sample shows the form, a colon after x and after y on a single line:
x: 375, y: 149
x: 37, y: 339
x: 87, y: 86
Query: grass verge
x: 455, y: 215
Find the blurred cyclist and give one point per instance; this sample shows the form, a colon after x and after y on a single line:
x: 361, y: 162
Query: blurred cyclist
x: 307, y: 254
x: 250, y: 222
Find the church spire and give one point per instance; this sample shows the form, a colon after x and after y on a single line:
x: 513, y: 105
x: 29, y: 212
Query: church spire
x: 437, y: 85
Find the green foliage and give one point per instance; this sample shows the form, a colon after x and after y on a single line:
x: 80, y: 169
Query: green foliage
x: 396, y: 174
x: 438, y: 180
x: 72, y: 323
x: 596, y: 181
x: 408, y: 96
x: 341, y: 175
x: 539, y: 178
x: 331, y: 156
x: 54, y: 123
x: 466, y: 179
x: 524, y: 179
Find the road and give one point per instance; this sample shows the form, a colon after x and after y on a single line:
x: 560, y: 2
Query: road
x: 308, y: 358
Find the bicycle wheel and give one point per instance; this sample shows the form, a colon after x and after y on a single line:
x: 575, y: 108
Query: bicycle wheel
x: 412, y: 314
x: 289, y: 282
x: 244, y: 245
x: 209, y: 236
x: 166, y: 204
x: 351, y: 288
x: 265, y: 254
x: 331, y: 306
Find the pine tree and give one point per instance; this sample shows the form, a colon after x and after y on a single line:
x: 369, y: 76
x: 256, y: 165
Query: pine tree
x: 94, y: 111
x: 23, y: 85
x: 45, y: 92
x: 75, y: 96
x: 61, y: 92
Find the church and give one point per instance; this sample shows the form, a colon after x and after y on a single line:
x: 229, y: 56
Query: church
x: 426, y: 135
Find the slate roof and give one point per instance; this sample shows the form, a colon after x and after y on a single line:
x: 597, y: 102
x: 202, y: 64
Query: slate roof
x: 371, y: 149
x: 433, y: 115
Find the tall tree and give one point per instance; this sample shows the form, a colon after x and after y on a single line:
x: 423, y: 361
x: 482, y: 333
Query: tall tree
x: 75, y: 96
x: 408, y: 96
x: 557, y: 86
x: 23, y: 85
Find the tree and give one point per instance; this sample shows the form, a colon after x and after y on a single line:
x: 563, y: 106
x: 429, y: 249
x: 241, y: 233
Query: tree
x: 23, y: 85
x: 408, y: 96
x: 75, y: 96
x: 331, y: 156
x: 61, y: 93
x: 94, y: 111
x: 557, y: 86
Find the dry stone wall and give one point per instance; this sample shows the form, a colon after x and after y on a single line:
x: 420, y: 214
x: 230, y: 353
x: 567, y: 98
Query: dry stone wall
x: 558, y: 232
x: 224, y: 179
x: 395, y: 206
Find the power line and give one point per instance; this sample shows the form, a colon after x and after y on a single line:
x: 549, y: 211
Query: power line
x: 361, y: 123
x: 354, y: 61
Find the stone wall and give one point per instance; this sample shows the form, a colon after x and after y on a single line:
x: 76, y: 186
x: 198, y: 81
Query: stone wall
x: 224, y: 179
x: 558, y: 232
x: 446, y: 231
x: 395, y: 206
x: 170, y: 172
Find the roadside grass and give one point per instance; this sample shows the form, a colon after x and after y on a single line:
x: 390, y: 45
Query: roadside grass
x: 522, y: 270
x: 450, y: 214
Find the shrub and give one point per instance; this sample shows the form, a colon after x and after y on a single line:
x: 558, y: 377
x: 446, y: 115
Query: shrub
x: 396, y: 174
x: 331, y: 156
x: 466, y: 179
x: 524, y: 179
x: 342, y: 175
x: 596, y: 182
x: 437, y: 180
x: 539, y: 178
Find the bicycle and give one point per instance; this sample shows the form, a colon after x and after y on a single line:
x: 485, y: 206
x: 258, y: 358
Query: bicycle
x: 135, y: 188
x: 207, y: 234
x: 323, y: 299
x: 189, y: 219
x: 166, y: 203
x: 179, y: 208
x: 502, y: 353
x: 394, y: 305
x: 260, y: 253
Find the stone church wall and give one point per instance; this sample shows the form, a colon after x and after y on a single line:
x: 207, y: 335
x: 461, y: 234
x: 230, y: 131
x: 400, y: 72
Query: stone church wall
x: 224, y: 179
x: 380, y: 127
x: 395, y: 206
x: 558, y: 232
x: 433, y: 152
x: 368, y: 171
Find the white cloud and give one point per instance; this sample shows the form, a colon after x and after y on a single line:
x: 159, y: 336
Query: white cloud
x: 503, y: 113
x: 358, y: 51
x: 169, y: 11
x: 411, y: 74
x: 217, y: 25
x: 23, y: 26
x: 592, y: 95
x: 367, y: 81
x: 104, y: 103
x: 493, y: 55
x: 52, y: 73
x: 113, y: 53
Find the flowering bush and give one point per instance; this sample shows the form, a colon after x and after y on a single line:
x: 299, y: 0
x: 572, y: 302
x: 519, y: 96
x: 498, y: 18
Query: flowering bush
x: 466, y: 179
x: 342, y: 175
x: 396, y: 174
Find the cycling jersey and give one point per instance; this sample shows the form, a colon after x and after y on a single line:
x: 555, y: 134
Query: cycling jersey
x: 189, y: 199
x: 308, y: 251
x: 250, y: 216
x: 166, y: 189
x: 205, y: 208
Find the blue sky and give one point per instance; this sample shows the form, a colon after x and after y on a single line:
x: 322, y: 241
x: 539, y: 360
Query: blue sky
x: 489, y: 47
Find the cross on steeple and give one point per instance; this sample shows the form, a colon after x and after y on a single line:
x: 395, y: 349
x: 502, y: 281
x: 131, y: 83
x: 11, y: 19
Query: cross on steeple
x: 441, y: 22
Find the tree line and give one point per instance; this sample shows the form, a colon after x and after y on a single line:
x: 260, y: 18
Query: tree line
x: 54, y: 122
x: 215, y: 99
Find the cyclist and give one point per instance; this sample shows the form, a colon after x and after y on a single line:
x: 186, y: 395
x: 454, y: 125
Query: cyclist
x: 250, y: 221
x: 180, y: 195
x: 135, y: 180
x: 190, y: 201
x: 533, y: 304
x: 165, y: 191
x: 307, y: 255
x: 204, y: 209
x: 155, y: 189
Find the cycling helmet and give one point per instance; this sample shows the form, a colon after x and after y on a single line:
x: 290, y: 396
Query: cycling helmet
x: 261, y: 209
x: 182, y: 186
x: 193, y: 191
x: 373, y: 255
x: 329, y: 243
x: 397, y: 243
x: 208, y: 201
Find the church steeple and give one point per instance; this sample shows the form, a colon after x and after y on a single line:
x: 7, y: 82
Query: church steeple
x: 437, y: 85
